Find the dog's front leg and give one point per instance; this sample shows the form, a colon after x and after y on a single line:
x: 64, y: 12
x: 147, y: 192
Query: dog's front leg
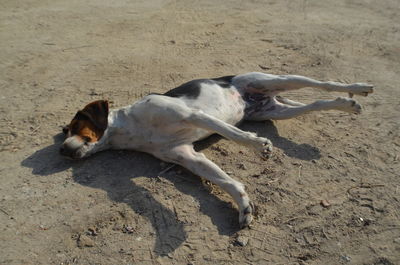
x: 197, y: 163
x: 210, y: 123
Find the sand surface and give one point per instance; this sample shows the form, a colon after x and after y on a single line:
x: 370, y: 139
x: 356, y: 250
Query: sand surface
x: 116, y: 207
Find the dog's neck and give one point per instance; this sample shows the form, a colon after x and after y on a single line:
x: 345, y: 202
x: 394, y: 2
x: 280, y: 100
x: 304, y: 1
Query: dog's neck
x: 116, y: 132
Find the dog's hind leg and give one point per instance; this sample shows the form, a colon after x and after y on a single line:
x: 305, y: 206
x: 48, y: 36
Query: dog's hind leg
x: 274, y: 84
x: 276, y: 110
x: 288, y: 101
x: 197, y: 163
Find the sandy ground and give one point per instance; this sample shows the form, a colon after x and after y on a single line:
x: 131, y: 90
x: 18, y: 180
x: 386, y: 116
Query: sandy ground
x: 116, y: 208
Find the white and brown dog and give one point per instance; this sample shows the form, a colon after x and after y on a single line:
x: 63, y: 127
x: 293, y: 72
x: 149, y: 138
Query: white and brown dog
x: 166, y: 125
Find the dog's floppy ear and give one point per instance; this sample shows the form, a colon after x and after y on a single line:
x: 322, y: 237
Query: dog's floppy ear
x: 97, y: 113
x: 65, y: 129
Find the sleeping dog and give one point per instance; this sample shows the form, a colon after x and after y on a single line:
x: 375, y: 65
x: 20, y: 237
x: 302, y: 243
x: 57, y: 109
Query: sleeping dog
x: 166, y: 125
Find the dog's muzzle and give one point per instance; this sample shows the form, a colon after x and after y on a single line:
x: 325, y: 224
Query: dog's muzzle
x: 72, y: 148
x: 65, y: 151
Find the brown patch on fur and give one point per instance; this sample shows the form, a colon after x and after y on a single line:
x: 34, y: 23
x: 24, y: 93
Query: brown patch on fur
x: 85, y: 130
x: 91, y: 122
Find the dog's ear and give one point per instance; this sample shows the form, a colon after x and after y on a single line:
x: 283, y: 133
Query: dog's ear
x: 65, y: 129
x: 97, y: 113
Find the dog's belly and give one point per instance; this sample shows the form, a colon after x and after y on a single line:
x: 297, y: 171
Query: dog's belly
x: 222, y: 103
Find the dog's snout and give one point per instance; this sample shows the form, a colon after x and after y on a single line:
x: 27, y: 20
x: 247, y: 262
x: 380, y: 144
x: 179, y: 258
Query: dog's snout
x: 67, y: 152
x: 71, y: 147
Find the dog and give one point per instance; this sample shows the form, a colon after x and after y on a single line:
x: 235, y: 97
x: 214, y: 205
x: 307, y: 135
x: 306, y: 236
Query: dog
x: 166, y: 125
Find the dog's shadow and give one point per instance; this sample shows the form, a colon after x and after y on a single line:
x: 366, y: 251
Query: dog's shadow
x: 115, y: 172
x: 268, y: 129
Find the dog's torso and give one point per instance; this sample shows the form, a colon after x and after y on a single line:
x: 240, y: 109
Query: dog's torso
x: 141, y: 127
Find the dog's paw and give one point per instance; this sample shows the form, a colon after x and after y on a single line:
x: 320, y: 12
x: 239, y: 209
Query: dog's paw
x: 263, y: 146
x: 267, y: 148
x: 361, y: 89
x: 349, y: 105
x: 246, y: 216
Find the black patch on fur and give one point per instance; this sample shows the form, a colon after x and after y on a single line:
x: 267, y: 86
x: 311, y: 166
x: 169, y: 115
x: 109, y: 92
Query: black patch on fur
x: 80, y: 115
x: 255, y: 103
x: 270, y: 108
x: 252, y: 98
x: 191, y: 89
x: 224, y: 81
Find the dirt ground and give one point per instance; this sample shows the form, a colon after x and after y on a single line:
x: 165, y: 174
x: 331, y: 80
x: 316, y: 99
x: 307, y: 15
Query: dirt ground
x: 117, y: 208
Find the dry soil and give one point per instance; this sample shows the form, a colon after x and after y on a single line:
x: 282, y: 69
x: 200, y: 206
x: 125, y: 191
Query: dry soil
x: 329, y: 195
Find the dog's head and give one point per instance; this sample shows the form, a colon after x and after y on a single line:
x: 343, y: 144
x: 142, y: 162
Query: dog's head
x: 85, y: 129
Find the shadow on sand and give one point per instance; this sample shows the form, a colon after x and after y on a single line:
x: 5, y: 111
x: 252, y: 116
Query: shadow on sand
x: 115, y: 171
x: 268, y: 129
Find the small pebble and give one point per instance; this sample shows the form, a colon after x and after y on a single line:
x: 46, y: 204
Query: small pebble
x: 85, y: 241
x: 346, y: 258
x: 128, y: 229
x: 299, y: 240
x: 92, y: 231
x: 42, y: 227
x: 242, y: 166
x: 325, y: 203
x: 242, y: 241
